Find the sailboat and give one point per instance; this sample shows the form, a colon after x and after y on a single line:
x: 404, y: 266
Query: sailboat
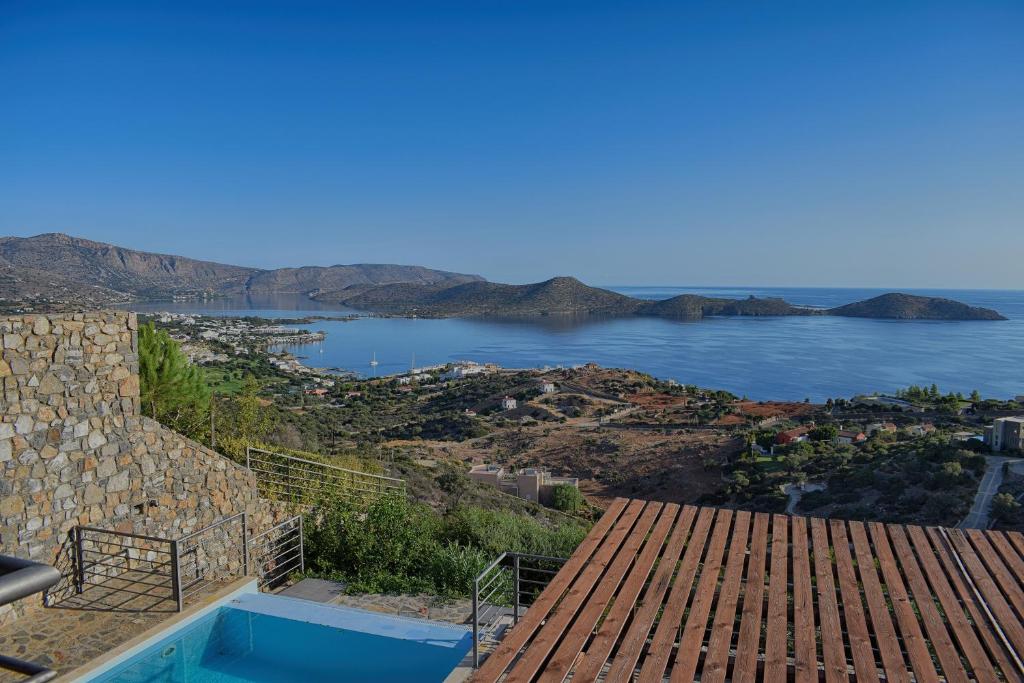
x: 374, y: 363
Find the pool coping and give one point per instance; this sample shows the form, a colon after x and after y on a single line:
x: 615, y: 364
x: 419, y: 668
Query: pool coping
x: 140, y: 642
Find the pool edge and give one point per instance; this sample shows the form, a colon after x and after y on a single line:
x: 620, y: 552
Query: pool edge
x: 140, y: 642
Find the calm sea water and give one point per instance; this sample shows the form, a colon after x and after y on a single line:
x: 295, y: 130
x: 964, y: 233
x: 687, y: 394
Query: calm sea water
x: 763, y: 358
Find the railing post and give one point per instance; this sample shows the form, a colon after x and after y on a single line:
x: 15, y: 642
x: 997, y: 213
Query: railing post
x: 476, y: 622
x: 515, y: 588
x: 79, y: 561
x: 245, y: 544
x: 302, y: 548
x: 176, y: 576
x: 247, y: 465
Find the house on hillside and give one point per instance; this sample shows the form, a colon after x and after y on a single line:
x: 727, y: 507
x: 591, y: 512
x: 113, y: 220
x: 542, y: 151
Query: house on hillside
x: 509, y: 403
x: 1006, y: 434
x: 529, y: 484
x: 876, y: 427
x: 795, y: 435
x: 921, y: 429
x: 848, y: 437
x: 548, y: 388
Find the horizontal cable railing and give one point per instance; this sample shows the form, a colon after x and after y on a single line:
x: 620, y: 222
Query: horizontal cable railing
x: 277, y: 553
x: 297, y: 480
x: 503, y: 591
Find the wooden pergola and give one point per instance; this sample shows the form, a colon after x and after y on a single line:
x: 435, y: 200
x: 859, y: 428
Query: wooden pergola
x: 661, y: 592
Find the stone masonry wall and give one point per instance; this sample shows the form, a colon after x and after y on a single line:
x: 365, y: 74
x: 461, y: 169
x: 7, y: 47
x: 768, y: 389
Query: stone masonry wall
x: 74, y: 449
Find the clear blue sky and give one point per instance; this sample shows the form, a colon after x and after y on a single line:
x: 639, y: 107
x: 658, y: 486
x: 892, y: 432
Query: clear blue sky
x: 787, y: 143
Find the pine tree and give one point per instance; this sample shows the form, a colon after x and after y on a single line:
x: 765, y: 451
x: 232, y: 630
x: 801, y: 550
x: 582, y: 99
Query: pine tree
x: 174, y: 392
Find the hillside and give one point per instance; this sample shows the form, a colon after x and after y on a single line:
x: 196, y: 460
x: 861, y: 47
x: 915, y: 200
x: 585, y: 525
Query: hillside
x: 138, y: 273
x: 910, y: 307
x: 311, y: 279
x: 62, y: 264
x: 557, y: 296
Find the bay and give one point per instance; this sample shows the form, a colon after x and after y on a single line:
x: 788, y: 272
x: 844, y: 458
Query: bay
x: 787, y: 358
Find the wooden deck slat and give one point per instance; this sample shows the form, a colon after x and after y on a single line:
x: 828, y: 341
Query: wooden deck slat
x: 692, y: 638
x: 990, y: 591
x: 982, y: 667
x: 520, y: 634
x: 881, y: 621
x: 934, y: 625
x: 805, y: 659
x: 611, y: 628
x: 660, y: 649
x: 572, y: 643
x: 552, y: 631
x: 1017, y: 540
x: 913, y: 638
x: 748, y: 645
x: 776, y: 644
x: 724, y: 619
x: 993, y: 644
x: 833, y: 652
x: 651, y: 601
x: 1009, y: 555
x: 853, y: 608
x: 689, y: 592
x: 1005, y: 578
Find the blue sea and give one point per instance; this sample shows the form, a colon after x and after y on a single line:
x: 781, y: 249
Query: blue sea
x: 789, y: 358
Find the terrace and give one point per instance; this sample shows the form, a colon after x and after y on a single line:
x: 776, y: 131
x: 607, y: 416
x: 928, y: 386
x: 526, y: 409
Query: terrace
x: 658, y: 591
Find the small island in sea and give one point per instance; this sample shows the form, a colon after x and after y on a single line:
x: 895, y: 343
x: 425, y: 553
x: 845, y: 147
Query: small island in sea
x: 569, y: 296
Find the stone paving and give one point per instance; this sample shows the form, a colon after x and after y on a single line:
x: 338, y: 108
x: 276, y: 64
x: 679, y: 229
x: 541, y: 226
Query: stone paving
x: 84, y: 626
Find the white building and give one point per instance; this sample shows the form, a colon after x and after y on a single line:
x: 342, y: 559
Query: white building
x: 1006, y: 434
x: 461, y: 370
x: 509, y: 403
x: 548, y: 388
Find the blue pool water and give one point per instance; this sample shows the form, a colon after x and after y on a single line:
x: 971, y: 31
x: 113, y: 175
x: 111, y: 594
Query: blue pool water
x: 269, y: 638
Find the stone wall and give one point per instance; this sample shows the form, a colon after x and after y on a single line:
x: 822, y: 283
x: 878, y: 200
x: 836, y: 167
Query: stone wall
x: 74, y: 449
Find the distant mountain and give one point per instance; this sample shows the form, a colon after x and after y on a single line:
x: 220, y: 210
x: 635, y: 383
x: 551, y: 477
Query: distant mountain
x: 114, y: 273
x: 137, y: 273
x: 911, y: 307
x: 316, y: 279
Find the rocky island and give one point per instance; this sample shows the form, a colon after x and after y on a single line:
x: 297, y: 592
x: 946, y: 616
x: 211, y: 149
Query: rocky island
x: 569, y: 296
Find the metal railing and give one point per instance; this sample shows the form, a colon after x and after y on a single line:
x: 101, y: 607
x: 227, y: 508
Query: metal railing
x: 288, y: 478
x: 140, y: 567
x: 105, y: 555
x: 503, y: 591
x: 19, y: 579
x: 204, y: 557
x: 277, y: 552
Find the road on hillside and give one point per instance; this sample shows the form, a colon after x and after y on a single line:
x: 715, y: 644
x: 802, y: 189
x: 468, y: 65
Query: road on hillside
x: 978, y: 517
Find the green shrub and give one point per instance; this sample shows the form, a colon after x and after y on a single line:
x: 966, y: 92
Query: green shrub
x: 567, y: 498
x: 398, y: 546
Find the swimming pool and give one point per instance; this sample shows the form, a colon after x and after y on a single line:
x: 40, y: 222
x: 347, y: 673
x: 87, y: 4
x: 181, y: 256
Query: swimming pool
x: 257, y: 637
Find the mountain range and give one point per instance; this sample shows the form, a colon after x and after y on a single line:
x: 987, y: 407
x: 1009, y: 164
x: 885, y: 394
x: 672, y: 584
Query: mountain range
x: 55, y: 270
x: 30, y: 264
